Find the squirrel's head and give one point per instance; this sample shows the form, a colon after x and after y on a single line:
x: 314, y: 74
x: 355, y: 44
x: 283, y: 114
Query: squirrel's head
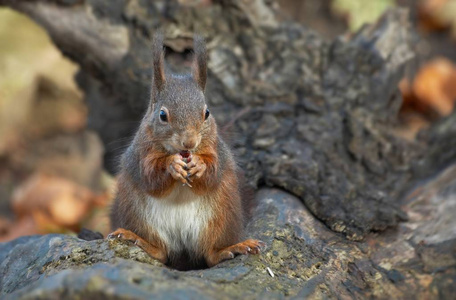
x: 178, y: 117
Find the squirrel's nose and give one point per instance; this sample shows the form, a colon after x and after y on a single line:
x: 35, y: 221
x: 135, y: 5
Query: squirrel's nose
x: 189, y: 144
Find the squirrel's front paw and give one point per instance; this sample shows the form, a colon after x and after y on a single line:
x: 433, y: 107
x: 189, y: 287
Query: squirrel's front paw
x: 196, y: 167
x: 177, y: 168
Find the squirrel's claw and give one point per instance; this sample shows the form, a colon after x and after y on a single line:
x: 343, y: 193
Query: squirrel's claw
x: 187, y: 180
x: 196, y: 167
x: 114, y: 235
x: 197, y: 171
x: 187, y: 183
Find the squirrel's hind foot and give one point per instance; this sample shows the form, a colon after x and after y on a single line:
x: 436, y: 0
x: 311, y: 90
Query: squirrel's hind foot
x: 246, y: 247
x: 128, y: 235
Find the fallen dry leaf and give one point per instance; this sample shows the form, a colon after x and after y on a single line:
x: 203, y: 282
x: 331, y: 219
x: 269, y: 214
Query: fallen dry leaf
x: 429, y: 15
x: 4, y: 226
x: 25, y: 226
x: 433, y: 90
x: 437, y: 15
x: 52, y: 200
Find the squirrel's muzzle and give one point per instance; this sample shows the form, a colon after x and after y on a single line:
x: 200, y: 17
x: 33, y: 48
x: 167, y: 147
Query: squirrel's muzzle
x: 189, y: 143
x: 189, y: 139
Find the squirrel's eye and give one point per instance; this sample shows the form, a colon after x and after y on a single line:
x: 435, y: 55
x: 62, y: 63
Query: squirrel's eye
x: 206, y: 115
x: 163, y: 116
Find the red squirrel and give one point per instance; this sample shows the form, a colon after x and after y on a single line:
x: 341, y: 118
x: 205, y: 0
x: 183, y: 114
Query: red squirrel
x: 178, y: 191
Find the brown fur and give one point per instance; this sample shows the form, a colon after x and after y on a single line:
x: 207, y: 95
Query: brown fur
x: 157, y: 161
x: 153, y: 167
x: 200, y: 64
x: 159, y: 62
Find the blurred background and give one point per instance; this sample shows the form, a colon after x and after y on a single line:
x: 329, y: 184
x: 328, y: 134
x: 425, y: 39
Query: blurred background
x: 51, y: 166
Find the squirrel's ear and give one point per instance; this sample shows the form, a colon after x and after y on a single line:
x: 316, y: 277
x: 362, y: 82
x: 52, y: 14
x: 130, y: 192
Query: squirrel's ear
x: 159, y: 78
x: 200, y: 62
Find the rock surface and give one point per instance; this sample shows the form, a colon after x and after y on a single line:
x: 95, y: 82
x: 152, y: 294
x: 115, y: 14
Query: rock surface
x: 308, y: 260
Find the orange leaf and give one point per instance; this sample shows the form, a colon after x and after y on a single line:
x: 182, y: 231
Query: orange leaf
x: 433, y: 90
x: 435, y: 85
x: 61, y: 201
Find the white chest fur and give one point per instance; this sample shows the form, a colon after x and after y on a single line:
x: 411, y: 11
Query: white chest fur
x: 179, y: 219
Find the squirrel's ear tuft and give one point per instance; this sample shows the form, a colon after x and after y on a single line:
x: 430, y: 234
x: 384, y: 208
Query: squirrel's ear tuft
x: 200, y: 62
x: 159, y: 78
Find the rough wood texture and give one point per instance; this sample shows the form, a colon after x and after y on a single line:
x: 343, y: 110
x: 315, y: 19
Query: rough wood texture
x: 309, y: 116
